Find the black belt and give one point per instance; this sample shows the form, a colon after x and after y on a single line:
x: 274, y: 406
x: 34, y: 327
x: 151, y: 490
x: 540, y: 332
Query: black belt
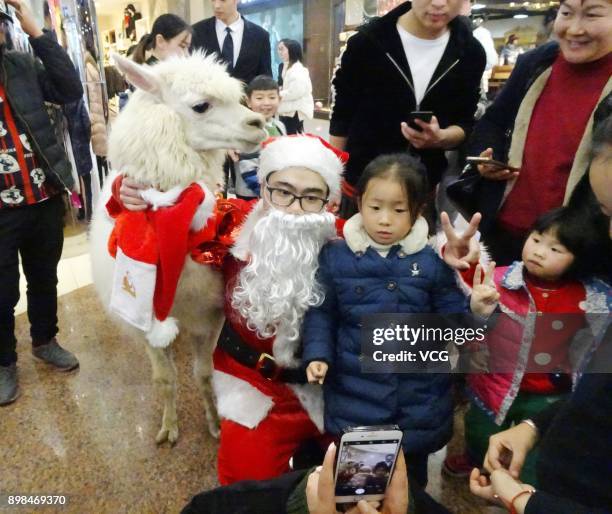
x: 231, y: 343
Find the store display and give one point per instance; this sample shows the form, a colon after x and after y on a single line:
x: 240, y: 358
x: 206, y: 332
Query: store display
x: 284, y: 21
x: 130, y: 17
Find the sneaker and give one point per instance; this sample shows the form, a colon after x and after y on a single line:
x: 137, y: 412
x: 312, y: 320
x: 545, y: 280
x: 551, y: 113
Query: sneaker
x: 8, y: 384
x: 458, y: 466
x: 52, y: 353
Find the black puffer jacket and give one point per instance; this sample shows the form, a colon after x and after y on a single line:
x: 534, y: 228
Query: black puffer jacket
x: 371, y: 96
x: 28, y: 83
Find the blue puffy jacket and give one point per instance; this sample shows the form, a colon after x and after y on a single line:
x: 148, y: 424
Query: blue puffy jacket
x: 361, y: 283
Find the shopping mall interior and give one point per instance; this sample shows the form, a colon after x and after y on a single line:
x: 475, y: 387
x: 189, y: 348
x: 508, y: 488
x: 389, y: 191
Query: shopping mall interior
x: 90, y: 434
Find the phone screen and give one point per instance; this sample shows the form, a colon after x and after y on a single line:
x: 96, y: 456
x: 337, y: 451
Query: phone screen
x: 365, y: 467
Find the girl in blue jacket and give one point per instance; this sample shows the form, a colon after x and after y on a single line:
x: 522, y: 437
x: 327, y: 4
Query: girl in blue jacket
x: 383, y: 265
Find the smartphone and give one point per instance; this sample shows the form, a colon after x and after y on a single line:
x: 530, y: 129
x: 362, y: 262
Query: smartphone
x: 419, y: 115
x: 365, y: 462
x: 491, y: 162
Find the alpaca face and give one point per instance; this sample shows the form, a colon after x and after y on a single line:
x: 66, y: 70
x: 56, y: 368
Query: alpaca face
x: 211, y: 123
x: 177, y: 128
x: 205, y: 98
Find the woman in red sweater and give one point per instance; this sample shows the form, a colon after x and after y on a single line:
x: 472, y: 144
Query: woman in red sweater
x: 541, y: 124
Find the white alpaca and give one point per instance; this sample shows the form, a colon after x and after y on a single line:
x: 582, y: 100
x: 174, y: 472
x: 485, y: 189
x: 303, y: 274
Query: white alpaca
x: 173, y: 132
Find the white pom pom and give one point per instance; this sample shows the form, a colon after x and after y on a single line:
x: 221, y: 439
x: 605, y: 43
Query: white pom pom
x: 162, y: 333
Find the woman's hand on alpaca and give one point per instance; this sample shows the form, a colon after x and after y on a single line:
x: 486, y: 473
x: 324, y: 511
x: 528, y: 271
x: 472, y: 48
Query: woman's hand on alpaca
x: 500, y: 487
x: 129, y: 194
x: 484, y: 293
x: 316, y: 371
x: 509, y: 449
x: 493, y: 172
x: 460, y: 250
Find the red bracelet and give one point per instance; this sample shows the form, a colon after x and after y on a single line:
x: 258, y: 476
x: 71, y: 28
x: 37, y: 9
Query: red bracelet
x: 512, y: 507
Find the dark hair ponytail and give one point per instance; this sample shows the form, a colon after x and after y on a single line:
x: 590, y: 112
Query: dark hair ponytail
x: 166, y: 25
x: 138, y: 53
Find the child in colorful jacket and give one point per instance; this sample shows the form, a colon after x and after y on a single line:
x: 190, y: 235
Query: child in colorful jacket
x: 541, y: 336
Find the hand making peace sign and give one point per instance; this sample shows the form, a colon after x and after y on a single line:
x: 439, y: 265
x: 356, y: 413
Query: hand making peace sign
x: 462, y: 249
x: 484, y: 293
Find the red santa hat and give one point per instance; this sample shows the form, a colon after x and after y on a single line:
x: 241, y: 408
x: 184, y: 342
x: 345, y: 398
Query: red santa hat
x: 305, y: 151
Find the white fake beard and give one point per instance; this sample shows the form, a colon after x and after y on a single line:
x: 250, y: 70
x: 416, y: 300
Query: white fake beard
x: 279, y: 284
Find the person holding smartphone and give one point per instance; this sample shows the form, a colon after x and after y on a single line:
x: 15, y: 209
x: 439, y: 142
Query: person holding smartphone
x: 305, y: 492
x: 417, y: 58
x: 541, y: 124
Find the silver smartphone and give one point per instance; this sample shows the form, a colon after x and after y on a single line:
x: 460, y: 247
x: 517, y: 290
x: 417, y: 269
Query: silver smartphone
x: 491, y: 162
x: 365, y: 462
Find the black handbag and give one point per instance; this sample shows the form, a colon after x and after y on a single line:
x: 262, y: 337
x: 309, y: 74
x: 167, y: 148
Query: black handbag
x: 465, y: 192
x: 470, y: 193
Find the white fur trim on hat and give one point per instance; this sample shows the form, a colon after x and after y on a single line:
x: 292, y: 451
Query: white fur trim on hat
x: 302, y: 151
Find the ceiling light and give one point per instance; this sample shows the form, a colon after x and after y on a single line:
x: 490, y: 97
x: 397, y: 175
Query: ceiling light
x: 475, y: 7
x: 520, y: 16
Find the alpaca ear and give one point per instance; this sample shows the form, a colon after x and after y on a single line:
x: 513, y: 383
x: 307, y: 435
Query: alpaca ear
x: 138, y: 75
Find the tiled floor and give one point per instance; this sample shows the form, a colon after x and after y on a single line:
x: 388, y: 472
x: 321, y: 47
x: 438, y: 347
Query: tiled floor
x: 90, y: 434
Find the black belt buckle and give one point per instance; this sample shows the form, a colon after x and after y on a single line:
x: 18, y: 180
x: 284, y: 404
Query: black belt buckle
x: 267, y: 367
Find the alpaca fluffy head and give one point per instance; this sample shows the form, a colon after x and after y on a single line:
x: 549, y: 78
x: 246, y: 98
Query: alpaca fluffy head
x: 176, y: 127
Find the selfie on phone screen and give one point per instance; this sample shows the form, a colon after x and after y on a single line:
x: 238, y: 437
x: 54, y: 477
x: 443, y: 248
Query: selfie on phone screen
x: 365, y: 467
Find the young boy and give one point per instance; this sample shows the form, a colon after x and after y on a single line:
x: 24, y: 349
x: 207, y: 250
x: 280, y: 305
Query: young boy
x: 262, y: 97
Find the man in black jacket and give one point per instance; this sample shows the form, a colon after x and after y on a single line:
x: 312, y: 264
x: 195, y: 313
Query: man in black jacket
x: 33, y: 173
x: 418, y: 57
x: 244, y: 45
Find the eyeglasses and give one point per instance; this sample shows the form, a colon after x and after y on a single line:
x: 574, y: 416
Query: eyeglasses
x: 284, y: 198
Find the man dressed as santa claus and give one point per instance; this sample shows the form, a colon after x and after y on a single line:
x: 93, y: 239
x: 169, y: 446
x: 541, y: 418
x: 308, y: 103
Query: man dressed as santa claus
x: 267, y: 407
